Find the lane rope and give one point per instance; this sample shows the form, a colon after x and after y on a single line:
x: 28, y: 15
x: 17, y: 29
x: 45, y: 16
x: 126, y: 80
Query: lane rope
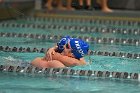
x: 83, y: 29
x: 69, y: 72
x: 98, y: 40
x: 42, y: 50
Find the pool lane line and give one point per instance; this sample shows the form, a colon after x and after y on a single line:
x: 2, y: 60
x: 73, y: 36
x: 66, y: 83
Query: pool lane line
x: 68, y: 72
x: 82, y: 29
x: 91, y: 52
x: 100, y: 22
x: 90, y: 39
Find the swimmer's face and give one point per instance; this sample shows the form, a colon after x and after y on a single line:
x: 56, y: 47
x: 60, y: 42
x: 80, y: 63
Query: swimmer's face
x: 67, y: 50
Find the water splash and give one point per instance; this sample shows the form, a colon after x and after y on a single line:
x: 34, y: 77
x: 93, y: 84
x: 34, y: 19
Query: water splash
x: 14, y: 62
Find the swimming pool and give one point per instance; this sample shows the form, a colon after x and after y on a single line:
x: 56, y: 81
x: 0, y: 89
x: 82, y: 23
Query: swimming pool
x: 115, y: 48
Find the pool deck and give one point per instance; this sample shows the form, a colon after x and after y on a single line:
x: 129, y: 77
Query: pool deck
x: 116, y: 14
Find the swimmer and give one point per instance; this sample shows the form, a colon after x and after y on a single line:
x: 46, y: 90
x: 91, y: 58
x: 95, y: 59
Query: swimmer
x: 67, y: 53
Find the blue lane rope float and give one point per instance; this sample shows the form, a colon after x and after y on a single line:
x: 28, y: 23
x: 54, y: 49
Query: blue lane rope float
x: 42, y: 50
x: 102, y: 40
x: 83, y: 29
x: 69, y: 72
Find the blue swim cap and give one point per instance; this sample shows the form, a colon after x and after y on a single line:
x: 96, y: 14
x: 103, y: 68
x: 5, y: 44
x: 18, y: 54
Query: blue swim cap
x: 62, y: 42
x: 79, y: 47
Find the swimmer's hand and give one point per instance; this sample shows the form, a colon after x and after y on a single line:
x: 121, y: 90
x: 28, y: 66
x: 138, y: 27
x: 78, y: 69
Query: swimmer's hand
x: 49, y: 53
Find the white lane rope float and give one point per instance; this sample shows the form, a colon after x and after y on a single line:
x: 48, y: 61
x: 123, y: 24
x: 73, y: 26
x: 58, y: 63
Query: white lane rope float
x: 42, y: 50
x: 69, y: 72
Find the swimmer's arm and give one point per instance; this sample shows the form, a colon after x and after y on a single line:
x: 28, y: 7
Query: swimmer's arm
x: 49, y: 53
x: 82, y: 61
x: 52, y: 49
x: 68, y: 61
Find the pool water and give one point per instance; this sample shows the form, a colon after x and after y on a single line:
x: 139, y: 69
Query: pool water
x: 21, y: 83
x: 11, y: 83
x: 98, y: 62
